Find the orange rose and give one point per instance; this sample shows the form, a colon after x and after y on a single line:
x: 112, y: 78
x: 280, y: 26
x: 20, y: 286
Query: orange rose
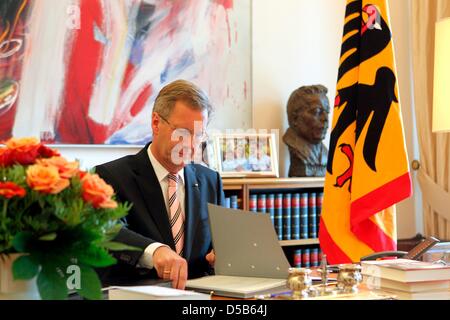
x: 10, y: 189
x: 46, y: 179
x: 82, y: 173
x: 21, y: 144
x: 66, y: 169
x: 24, y: 150
x: 5, y: 157
x: 47, y: 152
x: 97, y: 192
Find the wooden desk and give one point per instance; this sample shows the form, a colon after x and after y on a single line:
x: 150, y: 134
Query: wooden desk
x: 364, y: 293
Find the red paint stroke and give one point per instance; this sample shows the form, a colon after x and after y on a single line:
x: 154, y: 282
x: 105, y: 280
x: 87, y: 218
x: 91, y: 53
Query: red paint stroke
x: 172, y: 22
x: 245, y: 90
x: 128, y: 76
x: 229, y: 30
x: 226, y: 4
x: 74, y: 125
x: 139, y: 104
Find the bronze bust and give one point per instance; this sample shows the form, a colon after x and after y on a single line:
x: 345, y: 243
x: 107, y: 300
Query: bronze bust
x: 307, y: 110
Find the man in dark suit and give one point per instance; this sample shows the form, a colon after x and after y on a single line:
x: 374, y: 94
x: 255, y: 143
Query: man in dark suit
x: 169, y: 193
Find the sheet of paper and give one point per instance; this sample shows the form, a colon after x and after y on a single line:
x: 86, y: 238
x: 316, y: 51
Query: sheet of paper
x: 156, y: 291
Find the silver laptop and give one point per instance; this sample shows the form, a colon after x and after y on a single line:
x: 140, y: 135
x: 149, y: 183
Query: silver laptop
x: 249, y: 259
x: 245, y: 244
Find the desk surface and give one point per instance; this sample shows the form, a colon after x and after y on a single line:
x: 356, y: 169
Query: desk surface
x: 364, y: 292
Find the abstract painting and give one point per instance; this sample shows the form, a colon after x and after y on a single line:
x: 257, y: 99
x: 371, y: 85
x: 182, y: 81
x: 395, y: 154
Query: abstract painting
x: 88, y: 71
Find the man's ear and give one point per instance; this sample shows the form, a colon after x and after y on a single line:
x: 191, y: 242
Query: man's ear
x: 155, y: 123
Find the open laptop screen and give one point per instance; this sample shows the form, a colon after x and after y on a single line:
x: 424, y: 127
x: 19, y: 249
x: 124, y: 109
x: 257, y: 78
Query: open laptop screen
x: 245, y: 244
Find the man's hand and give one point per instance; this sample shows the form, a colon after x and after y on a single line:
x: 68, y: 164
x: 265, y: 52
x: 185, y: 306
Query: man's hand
x: 211, y: 258
x: 170, y: 266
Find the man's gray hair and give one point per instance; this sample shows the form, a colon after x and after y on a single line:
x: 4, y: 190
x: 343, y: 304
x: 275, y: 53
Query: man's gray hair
x: 181, y: 90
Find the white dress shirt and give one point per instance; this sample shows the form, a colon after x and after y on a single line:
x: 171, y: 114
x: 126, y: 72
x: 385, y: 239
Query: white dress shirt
x: 146, y: 260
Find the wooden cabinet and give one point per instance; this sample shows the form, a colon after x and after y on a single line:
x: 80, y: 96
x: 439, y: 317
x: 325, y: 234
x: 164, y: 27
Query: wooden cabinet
x: 247, y: 189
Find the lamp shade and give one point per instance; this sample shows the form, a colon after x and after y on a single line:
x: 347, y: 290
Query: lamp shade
x: 441, y: 94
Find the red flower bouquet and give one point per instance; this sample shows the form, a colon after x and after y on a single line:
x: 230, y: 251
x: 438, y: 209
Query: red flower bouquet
x: 57, y: 216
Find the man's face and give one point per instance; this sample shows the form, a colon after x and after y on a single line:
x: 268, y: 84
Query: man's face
x: 177, y: 139
x: 312, y: 120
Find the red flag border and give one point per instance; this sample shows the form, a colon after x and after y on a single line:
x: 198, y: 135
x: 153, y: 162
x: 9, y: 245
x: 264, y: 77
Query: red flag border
x: 365, y: 207
x: 329, y: 247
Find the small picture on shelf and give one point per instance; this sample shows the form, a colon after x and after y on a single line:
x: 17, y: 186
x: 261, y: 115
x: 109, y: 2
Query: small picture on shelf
x: 245, y: 155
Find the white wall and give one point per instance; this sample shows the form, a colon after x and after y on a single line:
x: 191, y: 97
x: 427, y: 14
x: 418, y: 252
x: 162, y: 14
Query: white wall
x: 90, y: 156
x: 295, y: 43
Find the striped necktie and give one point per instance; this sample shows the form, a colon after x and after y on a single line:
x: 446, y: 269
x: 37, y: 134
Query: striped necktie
x: 176, y: 214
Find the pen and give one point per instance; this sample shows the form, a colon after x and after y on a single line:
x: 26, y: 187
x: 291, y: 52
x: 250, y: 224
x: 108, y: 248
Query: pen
x: 272, y: 295
x: 280, y: 294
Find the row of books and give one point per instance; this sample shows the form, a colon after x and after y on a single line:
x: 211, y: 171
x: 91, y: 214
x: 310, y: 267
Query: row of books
x: 294, y: 215
x: 231, y: 202
x: 306, y: 258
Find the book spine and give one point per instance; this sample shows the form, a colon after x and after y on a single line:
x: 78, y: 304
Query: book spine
x: 298, y: 258
x: 279, y: 215
x: 295, y: 229
x: 262, y: 203
x: 270, y: 207
x: 227, y: 203
x: 252, y: 206
x: 319, y: 209
x: 304, y: 216
x: 314, y: 257
x: 312, y: 215
x: 234, y: 202
x: 287, y: 216
x: 306, y: 258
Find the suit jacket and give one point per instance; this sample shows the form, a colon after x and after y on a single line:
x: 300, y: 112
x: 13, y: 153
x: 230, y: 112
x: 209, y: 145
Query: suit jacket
x: 134, y: 180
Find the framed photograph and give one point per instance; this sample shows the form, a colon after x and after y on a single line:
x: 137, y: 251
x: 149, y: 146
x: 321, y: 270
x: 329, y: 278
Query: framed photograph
x: 244, y: 155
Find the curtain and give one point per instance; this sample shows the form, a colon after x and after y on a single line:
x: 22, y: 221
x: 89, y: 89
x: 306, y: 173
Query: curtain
x: 434, y: 148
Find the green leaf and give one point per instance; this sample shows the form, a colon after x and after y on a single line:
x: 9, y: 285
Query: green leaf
x: 48, y: 237
x: 21, y: 241
x: 52, y: 283
x: 91, y: 287
x: 118, y: 246
x: 112, y: 232
x: 25, y: 267
x: 85, y: 235
x: 95, y: 256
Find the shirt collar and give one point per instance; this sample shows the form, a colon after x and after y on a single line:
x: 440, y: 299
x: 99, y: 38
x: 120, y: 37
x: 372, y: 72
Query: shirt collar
x: 161, y: 172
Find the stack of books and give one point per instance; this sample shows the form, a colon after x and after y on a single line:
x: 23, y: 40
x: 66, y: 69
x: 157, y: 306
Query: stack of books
x: 408, y: 279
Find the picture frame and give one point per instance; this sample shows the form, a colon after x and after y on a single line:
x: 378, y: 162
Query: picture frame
x: 244, y: 155
x: 98, y: 84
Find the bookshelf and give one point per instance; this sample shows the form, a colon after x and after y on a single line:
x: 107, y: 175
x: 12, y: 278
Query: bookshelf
x: 246, y: 190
